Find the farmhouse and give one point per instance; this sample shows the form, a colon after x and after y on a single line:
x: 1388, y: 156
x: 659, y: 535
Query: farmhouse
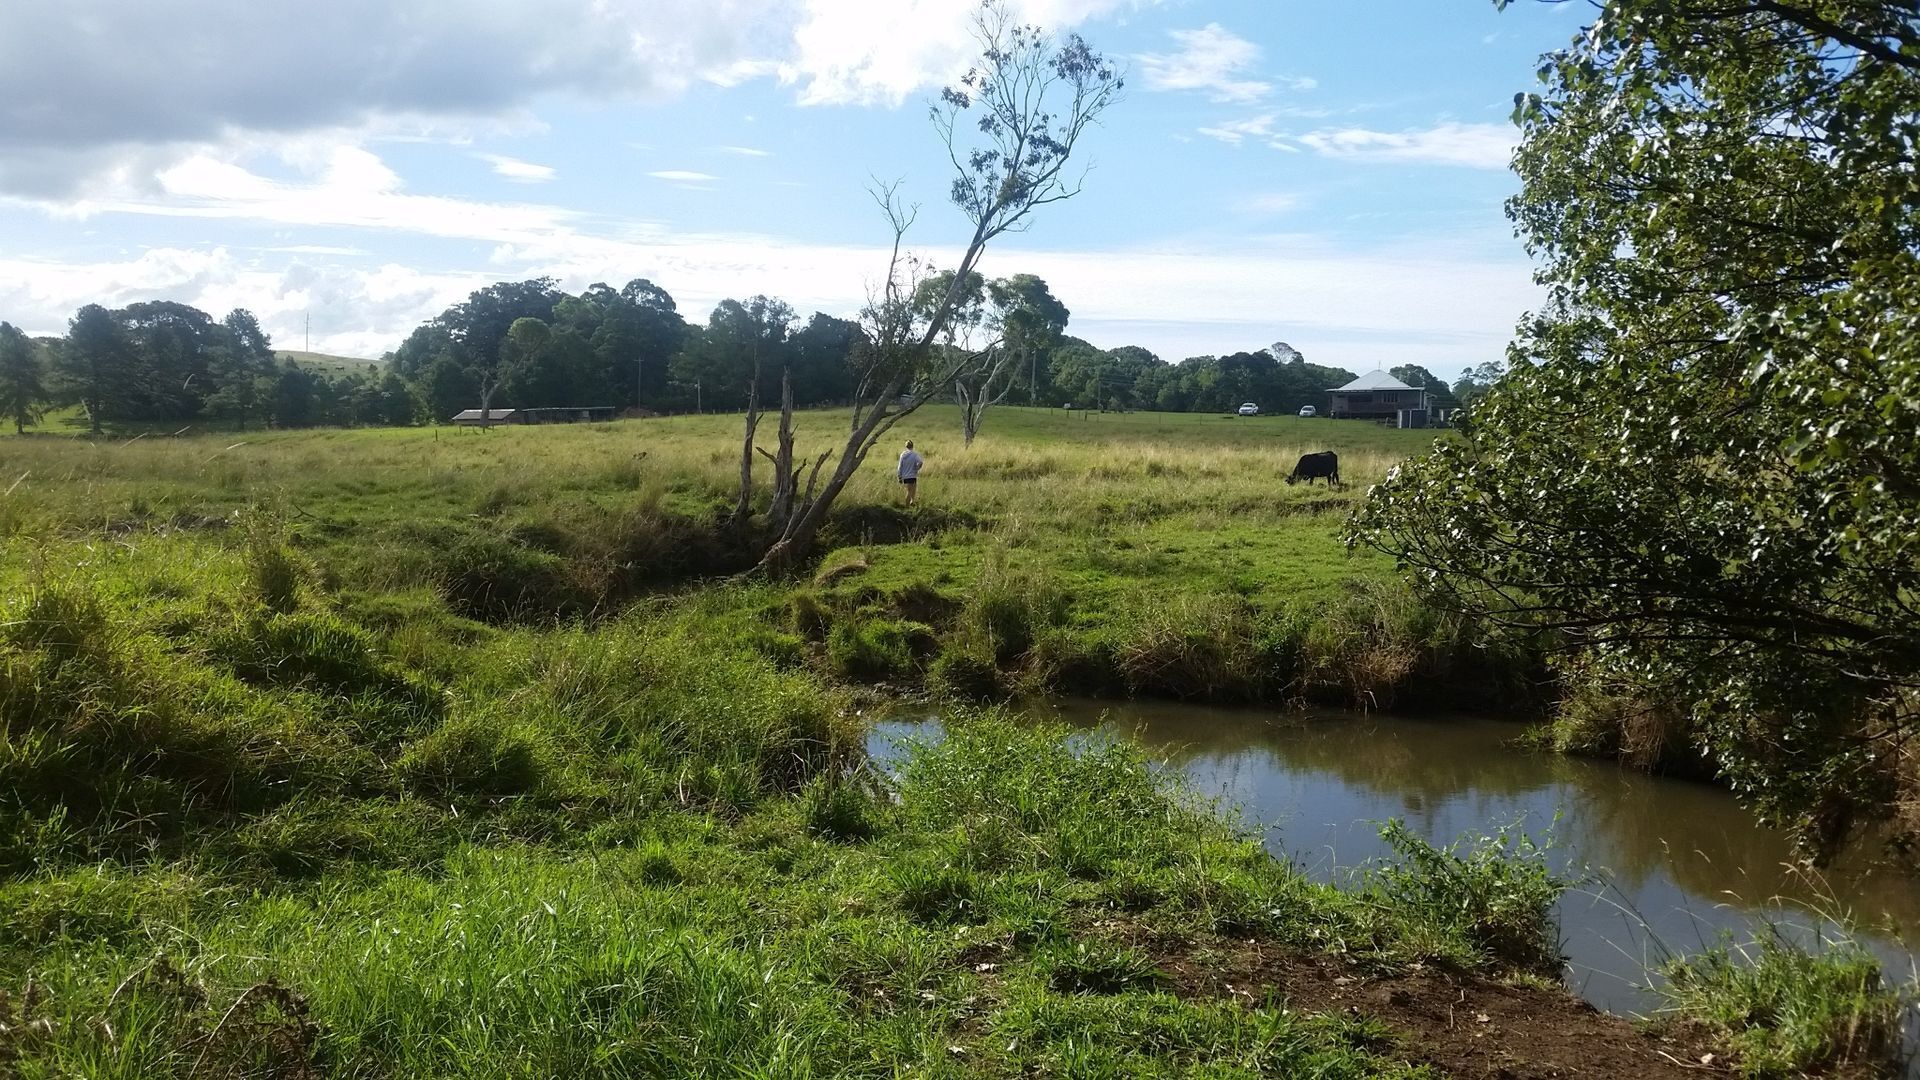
x: 567, y: 415
x: 1380, y: 397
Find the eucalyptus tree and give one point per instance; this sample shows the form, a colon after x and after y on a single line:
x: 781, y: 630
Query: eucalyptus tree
x: 1011, y: 126
x: 1701, y: 468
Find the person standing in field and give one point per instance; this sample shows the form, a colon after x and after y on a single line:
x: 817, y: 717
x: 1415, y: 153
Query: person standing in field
x: 910, y: 462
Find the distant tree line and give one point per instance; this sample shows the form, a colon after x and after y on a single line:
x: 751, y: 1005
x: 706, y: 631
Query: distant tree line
x: 162, y: 362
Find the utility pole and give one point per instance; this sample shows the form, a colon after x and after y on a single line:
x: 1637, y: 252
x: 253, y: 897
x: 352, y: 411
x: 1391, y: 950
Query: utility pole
x: 309, y: 341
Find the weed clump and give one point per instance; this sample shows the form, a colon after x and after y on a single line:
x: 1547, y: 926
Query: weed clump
x: 876, y: 649
x: 1194, y: 647
x: 1496, y: 897
x: 475, y: 757
x: 839, y: 808
x: 1786, y: 1011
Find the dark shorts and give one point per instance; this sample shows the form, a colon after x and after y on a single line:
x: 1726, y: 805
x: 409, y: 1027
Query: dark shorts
x: 909, y: 480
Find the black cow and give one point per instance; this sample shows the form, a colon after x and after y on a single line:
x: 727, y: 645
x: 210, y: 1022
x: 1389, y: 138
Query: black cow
x: 1312, y: 466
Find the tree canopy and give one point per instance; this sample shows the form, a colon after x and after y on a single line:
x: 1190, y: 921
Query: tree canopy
x: 1701, y: 467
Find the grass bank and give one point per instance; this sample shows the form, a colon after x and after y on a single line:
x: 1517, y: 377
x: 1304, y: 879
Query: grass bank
x: 442, y: 753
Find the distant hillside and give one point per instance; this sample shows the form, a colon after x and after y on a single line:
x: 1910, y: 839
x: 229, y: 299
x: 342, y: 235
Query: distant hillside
x: 330, y: 365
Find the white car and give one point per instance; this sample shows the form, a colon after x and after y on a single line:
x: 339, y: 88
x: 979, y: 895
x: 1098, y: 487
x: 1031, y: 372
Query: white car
x: 1249, y: 409
x: 1308, y: 410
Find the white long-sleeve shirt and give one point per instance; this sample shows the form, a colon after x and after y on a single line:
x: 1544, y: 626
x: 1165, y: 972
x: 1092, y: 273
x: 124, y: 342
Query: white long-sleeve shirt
x: 909, y: 465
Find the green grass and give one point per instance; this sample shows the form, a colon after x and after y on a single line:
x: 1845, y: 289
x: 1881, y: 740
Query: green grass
x: 454, y: 753
x: 1786, y: 1010
x: 327, y: 364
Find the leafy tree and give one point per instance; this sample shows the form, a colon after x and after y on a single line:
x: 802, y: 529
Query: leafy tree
x: 1701, y: 470
x: 23, y: 392
x: 1026, y: 321
x: 242, y: 368
x: 519, y: 346
x: 97, y: 366
x: 1474, y: 383
x: 1438, y: 391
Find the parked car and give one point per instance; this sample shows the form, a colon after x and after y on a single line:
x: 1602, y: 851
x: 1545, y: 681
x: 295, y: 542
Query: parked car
x: 1249, y: 409
x: 1308, y: 410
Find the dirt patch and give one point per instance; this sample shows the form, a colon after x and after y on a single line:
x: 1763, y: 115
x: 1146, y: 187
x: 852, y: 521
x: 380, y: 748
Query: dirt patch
x: 1464, y: 1026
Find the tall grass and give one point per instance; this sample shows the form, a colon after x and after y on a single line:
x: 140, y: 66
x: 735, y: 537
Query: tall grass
x: 1786, y: 1009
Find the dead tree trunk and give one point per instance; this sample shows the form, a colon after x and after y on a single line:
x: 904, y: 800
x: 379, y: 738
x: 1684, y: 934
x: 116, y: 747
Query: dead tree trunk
x: 744, y: 504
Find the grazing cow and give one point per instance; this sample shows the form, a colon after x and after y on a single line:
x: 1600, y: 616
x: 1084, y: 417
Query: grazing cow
x: 1312, y: 466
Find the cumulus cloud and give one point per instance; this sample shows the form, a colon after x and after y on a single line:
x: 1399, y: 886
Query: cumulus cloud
x: 1212, y: 59
x: 350, y: 187
x: 355, y: 310
x: 113, y: 90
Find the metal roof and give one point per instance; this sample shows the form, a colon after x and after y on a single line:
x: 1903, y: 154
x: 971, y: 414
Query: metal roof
x: 1375, y: 380
x: 492, y: 414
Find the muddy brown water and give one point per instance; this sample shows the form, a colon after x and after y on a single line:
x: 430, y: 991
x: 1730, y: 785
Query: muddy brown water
x: 1675, y: 864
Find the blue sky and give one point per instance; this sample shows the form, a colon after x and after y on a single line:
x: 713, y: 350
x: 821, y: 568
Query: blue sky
x: 1330, y: 175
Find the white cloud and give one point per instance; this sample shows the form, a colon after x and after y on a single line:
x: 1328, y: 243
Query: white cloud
x: 520, y: 172
x: 1274, y: 202
x: 114, y: 90
x: 355, y: 311
x: 1212, y: 59
x: 685, y: 176
x: 351, y: 188
x: 1234, y: 132
x: 1474, y: 146
x: 1443, y: 303
x: 744, y: 151
x: 104, y: 79
x: 882, y: 51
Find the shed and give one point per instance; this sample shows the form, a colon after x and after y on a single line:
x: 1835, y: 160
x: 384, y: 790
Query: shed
x: 477, y: 417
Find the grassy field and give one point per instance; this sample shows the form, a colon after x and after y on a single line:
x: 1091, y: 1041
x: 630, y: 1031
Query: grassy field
x: 457, y: 753
x: 327, y: 364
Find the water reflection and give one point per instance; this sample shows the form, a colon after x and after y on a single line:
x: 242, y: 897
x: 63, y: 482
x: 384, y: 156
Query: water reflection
x: 1680, y: 862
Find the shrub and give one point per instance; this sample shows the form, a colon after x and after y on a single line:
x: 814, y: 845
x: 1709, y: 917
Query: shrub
x: 1497, y: 896
x: 474, y: 756
x: 1078, y: 805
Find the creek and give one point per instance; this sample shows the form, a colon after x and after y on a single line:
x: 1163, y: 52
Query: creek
x: 1672, y: 864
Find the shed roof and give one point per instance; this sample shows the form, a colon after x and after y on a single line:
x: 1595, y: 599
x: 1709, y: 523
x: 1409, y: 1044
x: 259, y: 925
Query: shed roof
x: 491, y: 414
x: 1375, y: 380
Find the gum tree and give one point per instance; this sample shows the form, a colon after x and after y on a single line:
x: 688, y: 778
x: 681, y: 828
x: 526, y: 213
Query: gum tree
x: 1701, y: 469
x: 1011, y: 126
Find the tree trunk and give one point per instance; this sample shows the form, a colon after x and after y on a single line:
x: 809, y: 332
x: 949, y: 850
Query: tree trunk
x: 785, y: 476
x: 744, y: 503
